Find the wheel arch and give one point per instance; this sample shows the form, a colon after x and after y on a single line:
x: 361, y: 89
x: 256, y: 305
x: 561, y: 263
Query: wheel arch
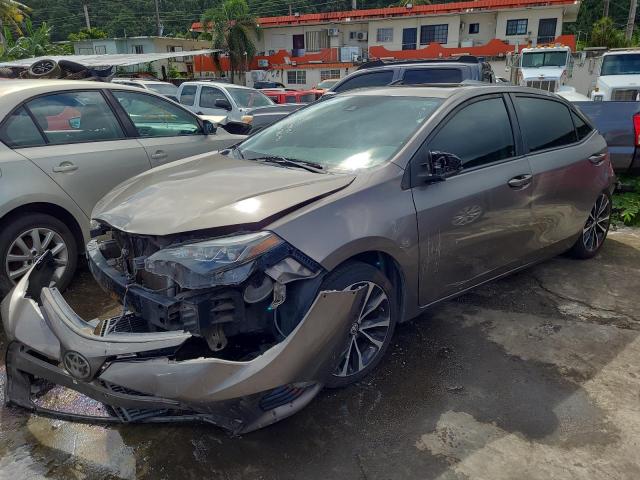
x: 49, y: 209
x: 390, y: 267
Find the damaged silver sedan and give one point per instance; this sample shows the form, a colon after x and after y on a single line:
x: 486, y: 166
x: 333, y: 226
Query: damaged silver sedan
x: 252, y: 278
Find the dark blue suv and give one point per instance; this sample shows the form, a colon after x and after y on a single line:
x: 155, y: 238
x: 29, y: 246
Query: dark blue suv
x: 417, y: 72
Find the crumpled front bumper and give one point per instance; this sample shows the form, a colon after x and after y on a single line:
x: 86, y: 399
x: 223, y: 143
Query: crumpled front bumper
x: 136, y: 376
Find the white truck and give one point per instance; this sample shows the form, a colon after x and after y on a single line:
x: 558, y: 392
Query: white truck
x: 547, y: 68
x: 619, y: 77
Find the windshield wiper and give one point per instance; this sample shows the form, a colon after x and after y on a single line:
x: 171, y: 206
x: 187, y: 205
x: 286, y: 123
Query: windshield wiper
x: 291, y: 162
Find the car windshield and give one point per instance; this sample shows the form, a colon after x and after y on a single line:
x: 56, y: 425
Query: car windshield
x: 247, y: 98
x: 164, y: 88
x: 344, y: 133
x: 327, y: 83
x: 544, y: 59
x: 626, y: 64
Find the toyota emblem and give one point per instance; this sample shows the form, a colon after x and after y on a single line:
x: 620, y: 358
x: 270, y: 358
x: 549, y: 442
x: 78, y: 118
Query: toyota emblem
x: 77, y: 365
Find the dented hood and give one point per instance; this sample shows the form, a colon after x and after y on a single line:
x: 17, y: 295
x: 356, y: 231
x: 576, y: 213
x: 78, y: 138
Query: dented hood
x: 209, y: 191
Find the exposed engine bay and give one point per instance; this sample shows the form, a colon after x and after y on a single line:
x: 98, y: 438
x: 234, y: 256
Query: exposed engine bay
x: 237, y: 295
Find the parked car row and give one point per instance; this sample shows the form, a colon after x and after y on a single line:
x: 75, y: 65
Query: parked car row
x: 253, y: 277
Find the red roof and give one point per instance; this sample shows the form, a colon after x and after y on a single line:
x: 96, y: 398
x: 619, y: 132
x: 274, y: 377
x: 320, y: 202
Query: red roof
x: 436, y: 9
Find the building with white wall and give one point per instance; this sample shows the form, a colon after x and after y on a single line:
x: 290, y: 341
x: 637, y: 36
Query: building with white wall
x: 102, y: 46
x: 489, y: 28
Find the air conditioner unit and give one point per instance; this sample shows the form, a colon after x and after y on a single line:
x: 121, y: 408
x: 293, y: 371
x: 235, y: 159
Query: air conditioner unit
x: 334, y: 32
x: 263, y: 63
x: 362, y: 36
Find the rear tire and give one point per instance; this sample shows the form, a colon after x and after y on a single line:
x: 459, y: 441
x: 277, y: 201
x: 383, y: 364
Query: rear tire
x: 371, y: 335
x: 34, y: 228
x: 595, y: 230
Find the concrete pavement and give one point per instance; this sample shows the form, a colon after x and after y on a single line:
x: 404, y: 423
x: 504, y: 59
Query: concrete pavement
x: 536, y: 376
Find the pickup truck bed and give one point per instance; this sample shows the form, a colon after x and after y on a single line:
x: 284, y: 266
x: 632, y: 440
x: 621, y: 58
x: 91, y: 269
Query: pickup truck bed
x: 614, y: 120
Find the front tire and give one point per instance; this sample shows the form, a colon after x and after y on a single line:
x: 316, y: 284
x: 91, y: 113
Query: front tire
x: 370, y: 336
x: 595, y: 230
x: 23, y: 239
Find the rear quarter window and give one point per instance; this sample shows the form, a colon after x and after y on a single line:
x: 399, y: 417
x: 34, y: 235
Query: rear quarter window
x: 417, y: 76
x: 18, y: 130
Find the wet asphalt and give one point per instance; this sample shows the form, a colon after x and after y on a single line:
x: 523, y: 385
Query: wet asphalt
x: 534, y: 376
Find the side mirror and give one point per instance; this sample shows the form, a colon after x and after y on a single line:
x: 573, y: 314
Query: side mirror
x: 328, y: 94
x: 440, y: 166
x: 223, y: 103
x: 209, y: 127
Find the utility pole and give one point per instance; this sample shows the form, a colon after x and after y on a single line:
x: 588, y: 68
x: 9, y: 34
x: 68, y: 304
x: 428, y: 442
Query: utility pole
x: 632, y: 18
x: 85, y: 7
x: 354, y: 4
x: 605, y: 12
x: 158, y: 24
x: 290, y: 10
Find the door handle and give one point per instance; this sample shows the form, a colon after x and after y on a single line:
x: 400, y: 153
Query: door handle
x: 159, y: 155
x: 65, y: 167
x: 598, y: 158
x: 520, y: 181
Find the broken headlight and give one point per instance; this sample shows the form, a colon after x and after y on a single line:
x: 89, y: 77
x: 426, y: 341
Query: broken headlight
x: 219, y: 261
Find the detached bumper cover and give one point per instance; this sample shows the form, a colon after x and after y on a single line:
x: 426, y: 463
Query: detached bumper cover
x: 135, y: 375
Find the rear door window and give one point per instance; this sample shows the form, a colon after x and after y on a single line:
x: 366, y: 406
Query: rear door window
x: 18, y: 130
x: 188, y: 94
x: 373, y: 79
x: 417, y: 76
x: 476, y: 146
x: 72, y: 117
x: 544, y: 123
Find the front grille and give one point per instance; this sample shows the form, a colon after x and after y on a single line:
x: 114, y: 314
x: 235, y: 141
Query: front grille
x: 282, y: 395
x: 625, y: 94
x: 548, y: 85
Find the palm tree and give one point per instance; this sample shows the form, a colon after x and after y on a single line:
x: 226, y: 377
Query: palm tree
x: 12, y: 14
x: 232, y: 29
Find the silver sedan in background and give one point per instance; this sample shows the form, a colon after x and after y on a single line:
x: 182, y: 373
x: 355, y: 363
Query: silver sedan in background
x: 64, y: 144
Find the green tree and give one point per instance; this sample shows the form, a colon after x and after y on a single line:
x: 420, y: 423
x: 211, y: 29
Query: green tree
x: 605, y: 34
x: 35, y: 42
x: 233, y: 28
x: 86, y: 34
x: 12, y: 14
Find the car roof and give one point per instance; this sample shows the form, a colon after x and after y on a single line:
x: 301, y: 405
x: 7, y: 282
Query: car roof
x: 447, y: 90
x: 217, y: 84
x: 139, y: 80
x: 21, y: 90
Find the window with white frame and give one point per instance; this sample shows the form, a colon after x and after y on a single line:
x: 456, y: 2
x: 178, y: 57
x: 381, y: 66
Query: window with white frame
x: 384, y: 35
x: 517, y: 26
x: 296, y: 77
x: 329, y: 74
x: 316, y: 41
x: 434, y: 33
x: 138, y: 49
x: 101, y: 49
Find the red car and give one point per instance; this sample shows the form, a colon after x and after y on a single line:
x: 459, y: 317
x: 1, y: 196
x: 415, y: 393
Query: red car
x: 290, y: 96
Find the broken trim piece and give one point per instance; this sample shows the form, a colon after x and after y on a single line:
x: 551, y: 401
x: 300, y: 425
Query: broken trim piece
x: 229, y: 394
